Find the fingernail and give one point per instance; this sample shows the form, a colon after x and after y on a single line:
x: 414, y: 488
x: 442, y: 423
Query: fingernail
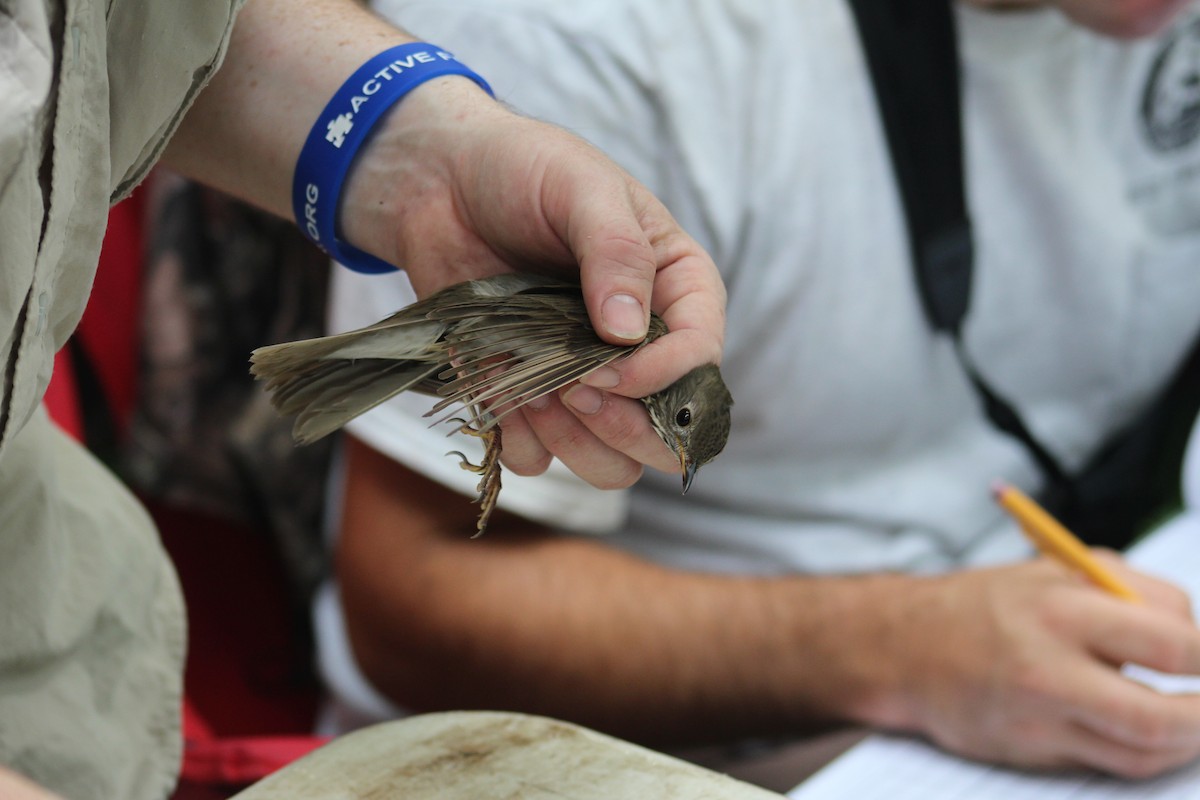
x: 602, y: 378
x: 623, y: 316
x: 539, y: 403
x: 584, y: 399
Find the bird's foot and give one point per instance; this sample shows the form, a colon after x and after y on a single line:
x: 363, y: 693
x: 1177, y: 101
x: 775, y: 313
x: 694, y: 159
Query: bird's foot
x: 488, y: 471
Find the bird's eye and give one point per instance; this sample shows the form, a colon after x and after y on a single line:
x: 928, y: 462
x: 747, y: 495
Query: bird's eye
x: 684, y: 417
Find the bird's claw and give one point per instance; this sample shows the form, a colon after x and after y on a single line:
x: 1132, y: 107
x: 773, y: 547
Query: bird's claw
x: 488, y: 470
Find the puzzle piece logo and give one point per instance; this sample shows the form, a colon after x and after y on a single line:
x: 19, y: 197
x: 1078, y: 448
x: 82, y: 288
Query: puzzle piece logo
x: 338, y: 127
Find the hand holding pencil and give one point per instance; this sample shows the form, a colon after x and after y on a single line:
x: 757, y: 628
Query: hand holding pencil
x: 1055, y: 541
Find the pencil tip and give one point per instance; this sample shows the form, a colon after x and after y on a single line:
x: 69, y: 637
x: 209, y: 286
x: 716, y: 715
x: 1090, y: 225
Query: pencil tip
x: 998, y: 487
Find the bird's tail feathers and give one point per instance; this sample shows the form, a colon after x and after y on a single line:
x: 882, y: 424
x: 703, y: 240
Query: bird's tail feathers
x: 395, y: 337
x: 325, y: 395
x: 275, y: 360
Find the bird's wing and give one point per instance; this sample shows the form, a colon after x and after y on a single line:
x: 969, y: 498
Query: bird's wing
x: 506, y: 354
x: 491, y: 346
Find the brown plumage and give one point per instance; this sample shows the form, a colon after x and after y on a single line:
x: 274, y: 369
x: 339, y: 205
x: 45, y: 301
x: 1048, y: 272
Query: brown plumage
x: 489, y: 346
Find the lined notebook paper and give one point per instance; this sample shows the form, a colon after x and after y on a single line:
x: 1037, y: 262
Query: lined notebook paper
x: 897, y: 768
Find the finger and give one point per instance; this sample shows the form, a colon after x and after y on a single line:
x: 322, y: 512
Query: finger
x: 1053, y: 732
x: 1121, y: 632
x: 616, y: 260
x: 564, y: 436
x: 1094, y: 750
x: 1155, y: 591
x: 522, y: 451
x: 1064, y: 744
x: 696, y: 318
x: 1132, y: 714
x: 622, y: 424
x: 657, y: 365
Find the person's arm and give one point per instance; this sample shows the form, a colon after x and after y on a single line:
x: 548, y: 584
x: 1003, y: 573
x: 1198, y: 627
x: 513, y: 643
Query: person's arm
x: 454, y: 186
x: 1016, y: 665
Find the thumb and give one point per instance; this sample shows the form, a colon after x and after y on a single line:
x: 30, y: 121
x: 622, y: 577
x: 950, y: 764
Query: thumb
x: 617, y: 263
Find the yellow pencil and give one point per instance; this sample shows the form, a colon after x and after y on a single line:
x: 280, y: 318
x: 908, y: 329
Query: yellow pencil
x: 1049, y: 535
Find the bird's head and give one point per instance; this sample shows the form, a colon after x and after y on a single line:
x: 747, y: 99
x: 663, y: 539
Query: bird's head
x: 692, y: 417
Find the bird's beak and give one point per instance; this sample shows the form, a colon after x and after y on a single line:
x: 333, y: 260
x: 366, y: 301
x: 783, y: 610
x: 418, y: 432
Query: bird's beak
x: 689, y: 471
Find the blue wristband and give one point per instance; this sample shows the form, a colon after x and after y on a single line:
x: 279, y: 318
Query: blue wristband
x: 344, y: 126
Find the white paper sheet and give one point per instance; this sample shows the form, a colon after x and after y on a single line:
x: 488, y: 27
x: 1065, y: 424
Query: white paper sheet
x: 893, y: 768
x: 897, y: 768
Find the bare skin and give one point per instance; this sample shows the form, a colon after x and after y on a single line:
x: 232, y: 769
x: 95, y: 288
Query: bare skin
x: 1017, y: 665
x: 425, y: 194
x: 455, y: 186
x: 1123, y: 19
x: 15, y: 787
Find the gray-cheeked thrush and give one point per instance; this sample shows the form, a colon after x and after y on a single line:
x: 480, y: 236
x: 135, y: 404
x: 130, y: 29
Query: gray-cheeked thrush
x: 491, y: 345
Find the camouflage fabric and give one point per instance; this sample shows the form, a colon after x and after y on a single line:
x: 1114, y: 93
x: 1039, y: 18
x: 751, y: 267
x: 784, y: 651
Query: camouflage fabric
x: 220, y: 279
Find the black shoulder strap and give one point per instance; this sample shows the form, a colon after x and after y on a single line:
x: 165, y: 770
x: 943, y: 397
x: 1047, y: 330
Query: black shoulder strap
x: 913, y: 59
x: 912, y: 55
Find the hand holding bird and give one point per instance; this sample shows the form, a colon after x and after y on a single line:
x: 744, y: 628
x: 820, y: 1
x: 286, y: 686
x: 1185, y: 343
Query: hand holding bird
x: 491, y: 346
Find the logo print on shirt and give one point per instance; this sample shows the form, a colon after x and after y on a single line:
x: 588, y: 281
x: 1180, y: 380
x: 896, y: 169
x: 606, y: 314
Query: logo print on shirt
x: 1171, y: 99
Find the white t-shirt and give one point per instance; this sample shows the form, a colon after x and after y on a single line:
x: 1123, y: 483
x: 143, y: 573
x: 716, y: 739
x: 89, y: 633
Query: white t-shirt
x: 857, y: 443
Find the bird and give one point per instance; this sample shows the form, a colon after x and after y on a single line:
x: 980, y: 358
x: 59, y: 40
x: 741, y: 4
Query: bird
x: 483, y: 348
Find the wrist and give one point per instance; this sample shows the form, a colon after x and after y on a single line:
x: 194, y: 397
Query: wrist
x: 869, y: 647
x: 285, y: 59
x: 932, y: 656
x: 341, y: 134
x: 408, y: 164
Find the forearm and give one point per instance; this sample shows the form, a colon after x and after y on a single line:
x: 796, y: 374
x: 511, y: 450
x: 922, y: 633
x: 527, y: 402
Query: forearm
x: 1016, y: 664
x: 286, y: 60
x: 572, y: 629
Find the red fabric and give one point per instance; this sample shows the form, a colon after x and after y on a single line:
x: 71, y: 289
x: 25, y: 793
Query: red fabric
x: 248, y: 668
x: 62, y: 399
x: 109, y: 328
x: 235, y: 761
